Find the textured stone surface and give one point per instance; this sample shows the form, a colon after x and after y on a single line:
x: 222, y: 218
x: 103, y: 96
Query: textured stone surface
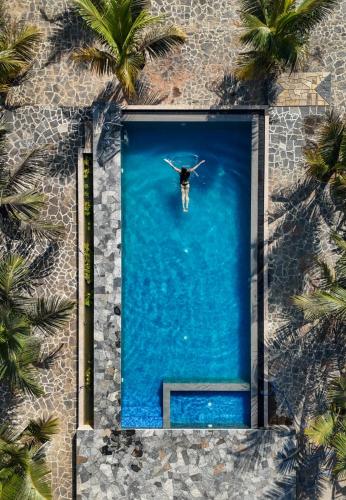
x: 107, y: 262
x: 31, y: 127
x: 302, y: 89
x: 199, y: 73
x: 170, y: 465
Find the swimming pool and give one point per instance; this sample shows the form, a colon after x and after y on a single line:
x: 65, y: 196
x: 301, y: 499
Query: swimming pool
x: 186, y: 306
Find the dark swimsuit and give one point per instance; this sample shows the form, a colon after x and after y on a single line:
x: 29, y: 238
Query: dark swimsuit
x: 184, y: 178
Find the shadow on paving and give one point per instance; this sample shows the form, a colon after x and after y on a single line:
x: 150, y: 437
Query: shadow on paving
x: 69, y: 33
x: 303, y: 358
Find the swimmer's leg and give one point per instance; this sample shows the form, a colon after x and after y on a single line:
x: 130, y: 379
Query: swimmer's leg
x: 183, y: 197
x: 187, y: 199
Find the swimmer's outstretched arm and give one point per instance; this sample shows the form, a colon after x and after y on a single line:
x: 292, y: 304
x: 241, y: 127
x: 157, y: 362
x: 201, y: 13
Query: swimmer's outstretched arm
x: 196, y: 166
x: 171, y: 165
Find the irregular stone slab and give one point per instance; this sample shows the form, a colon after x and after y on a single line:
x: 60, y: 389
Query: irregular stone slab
x: 185, y: 464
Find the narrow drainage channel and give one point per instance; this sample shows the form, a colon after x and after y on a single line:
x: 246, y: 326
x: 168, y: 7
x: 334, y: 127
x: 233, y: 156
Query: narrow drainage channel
x: 88, y: 289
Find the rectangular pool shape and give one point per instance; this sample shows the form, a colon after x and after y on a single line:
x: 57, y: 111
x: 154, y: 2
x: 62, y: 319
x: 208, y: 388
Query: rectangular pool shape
x: 188, y: 276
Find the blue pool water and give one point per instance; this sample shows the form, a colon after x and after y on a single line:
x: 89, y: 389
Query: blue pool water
x: 186, y: 276
x: 210, y: 409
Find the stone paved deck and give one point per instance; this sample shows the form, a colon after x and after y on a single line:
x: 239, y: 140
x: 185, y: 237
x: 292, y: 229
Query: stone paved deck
x: 55, y: 99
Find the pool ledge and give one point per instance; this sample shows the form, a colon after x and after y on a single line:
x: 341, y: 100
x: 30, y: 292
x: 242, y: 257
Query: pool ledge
x: 196, y: 387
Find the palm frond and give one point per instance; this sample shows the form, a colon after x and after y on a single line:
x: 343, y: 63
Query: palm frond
x: 343, y: 150
x: 253, y: 65
x: 7, y: 434
x: 327, y: 274
x: 20, y: 377
x: 18, y: 46
x: 159, y: 42
x: 277, y: 34
x: 50, y: 315
x: 257, y: 33
x: 28, y: 172
x: 9, y: 63
x: 317, y: 168
x: 321, y: 304
x: 41, y: 230
x: 339, y: 241
x: 337, y: 393
x: 23, y: 205
x: 320, y: 430
x: 41, y: 430
x: 100, y: 61
x: 23, y: 471
x: 312, y: 12
x: 14, y: 328
x: 330, y: 137
x: 30, y: 480
x: 128, y: 72
x: 257, y: 8
x: 131, y: 35
x: 13, y: 276
x: 94, y: 14
x: 339, y: 443
x: 22, y: 39
x: 137, y: 6
x: 127, y: 32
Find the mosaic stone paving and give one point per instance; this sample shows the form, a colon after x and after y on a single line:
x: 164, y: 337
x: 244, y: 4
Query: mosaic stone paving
x: 29, y: 127
x: 162, y: 465
x: 56, y: 97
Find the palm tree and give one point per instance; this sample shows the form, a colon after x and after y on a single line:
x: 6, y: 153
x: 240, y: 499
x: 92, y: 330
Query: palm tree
x: 326, y: 160
x: 18, y: 46
x: 20, y: 315
x: 23, y: 470
x: 128, y: 35
x: 329, y: 430
x: 276, y: 34
x: 21, y: 202
x: 327, y: 301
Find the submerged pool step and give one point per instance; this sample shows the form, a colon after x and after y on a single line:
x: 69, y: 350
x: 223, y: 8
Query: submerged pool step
x: 198, y: 387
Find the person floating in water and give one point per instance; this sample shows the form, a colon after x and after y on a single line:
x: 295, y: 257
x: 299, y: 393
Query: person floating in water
x: 184, y: 181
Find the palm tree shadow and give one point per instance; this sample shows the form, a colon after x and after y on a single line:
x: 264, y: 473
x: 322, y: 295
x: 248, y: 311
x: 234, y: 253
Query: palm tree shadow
x: 69, y: 33
x: 303, y: 213
x: 64, y: 156
x: 304, y: 359
x: 8, y: 404
x: 255, y: 449
x: 231, y: 91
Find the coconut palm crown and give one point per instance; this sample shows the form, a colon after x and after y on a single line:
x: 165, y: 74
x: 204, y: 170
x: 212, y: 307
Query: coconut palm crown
x: 328, y: 298
x: 23, y: 470
x: 329, y: 429
x: 21, y: 200
x: 18, y: 47
x: 276, y: 34
x: 326, y: 160
x: 128, y: 35
x: 20, y: 315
